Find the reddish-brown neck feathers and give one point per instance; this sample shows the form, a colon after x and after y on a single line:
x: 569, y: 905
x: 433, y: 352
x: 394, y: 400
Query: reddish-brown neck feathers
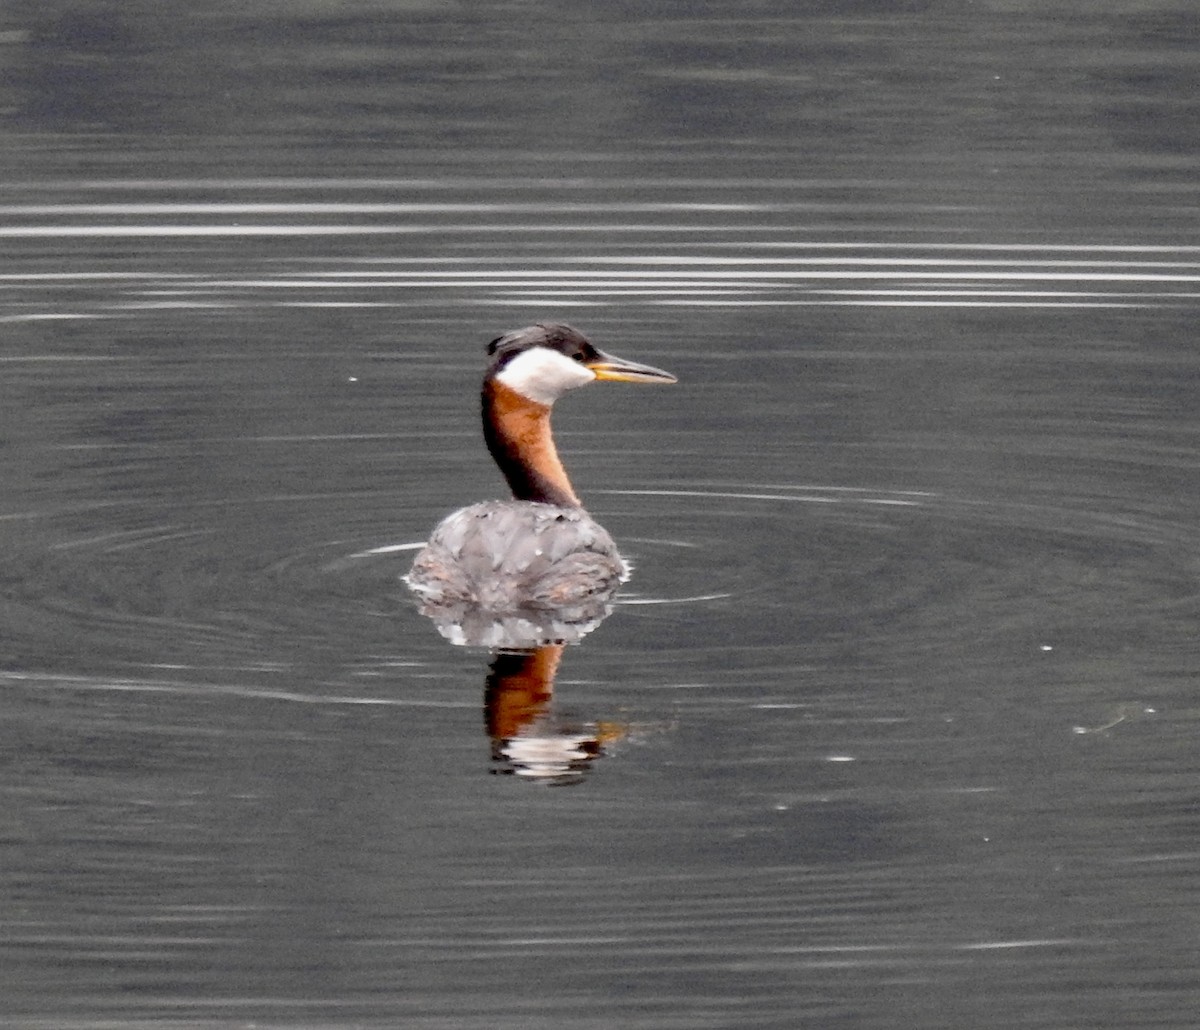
x: 517, y: 431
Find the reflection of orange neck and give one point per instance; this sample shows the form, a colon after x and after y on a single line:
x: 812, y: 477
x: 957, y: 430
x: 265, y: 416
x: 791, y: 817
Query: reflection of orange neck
x: 517, y: 431
x: 520, y: 686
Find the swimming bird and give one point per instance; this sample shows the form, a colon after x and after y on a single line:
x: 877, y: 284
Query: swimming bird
x: 540, y: 550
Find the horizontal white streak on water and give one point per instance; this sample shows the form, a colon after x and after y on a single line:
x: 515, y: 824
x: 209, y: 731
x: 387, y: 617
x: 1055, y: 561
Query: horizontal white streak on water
x: 913, y: 295
x: 1048, y: 942
x: 709, y: 298
x: 341, y: 208
x: 1023, y: 248
x: 606, y: 292
x: 806, y: 245
x: 565, y: 291
x: 137, y: 231
x: 127, y: 539
x: 444, y: 279
x: 996, y: 293
x: 388, y: 549
x: 747, y: 496
x: 516, y: 302
x: 746, y: 231
x: 46, y: 316
x: 442, y: 183
x: 806, y: 487
x: 24, y: 277
x: 671, y: 259
x: 737, y: 263
x: 351, y: 304
x: 53, y: 682
x: 553, y: 277
x: 626, y: 602
x: 166, y: 305
x: 902, y: 303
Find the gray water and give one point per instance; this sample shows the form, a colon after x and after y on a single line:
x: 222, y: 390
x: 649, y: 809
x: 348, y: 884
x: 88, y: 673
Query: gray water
x: 895, y: 724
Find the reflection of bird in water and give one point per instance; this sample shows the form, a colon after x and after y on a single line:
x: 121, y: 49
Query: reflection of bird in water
x: 540, y: 551
x: 528, y: 739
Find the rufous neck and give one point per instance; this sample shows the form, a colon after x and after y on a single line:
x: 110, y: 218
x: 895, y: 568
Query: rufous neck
x: 517, y: 431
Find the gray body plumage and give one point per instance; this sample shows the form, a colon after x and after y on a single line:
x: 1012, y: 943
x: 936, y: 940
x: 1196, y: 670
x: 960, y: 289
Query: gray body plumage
x: 519, y: 573
x: 510, y: 555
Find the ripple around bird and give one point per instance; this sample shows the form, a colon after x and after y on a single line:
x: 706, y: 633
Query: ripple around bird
x: 902, y: 573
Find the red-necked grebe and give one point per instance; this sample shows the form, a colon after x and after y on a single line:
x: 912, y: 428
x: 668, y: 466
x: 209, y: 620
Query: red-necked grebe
x: 541, y: 549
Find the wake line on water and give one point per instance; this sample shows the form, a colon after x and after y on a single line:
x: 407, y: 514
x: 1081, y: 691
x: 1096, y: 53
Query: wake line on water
x: 47, y: 681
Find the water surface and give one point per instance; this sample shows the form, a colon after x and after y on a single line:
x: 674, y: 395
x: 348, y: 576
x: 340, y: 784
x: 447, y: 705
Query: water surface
x: 895, y: 722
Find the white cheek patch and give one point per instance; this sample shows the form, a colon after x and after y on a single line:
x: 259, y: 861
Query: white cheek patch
x: 544, y: 375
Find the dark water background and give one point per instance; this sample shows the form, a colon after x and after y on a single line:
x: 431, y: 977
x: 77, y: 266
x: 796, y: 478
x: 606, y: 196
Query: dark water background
x: 899, y: 714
